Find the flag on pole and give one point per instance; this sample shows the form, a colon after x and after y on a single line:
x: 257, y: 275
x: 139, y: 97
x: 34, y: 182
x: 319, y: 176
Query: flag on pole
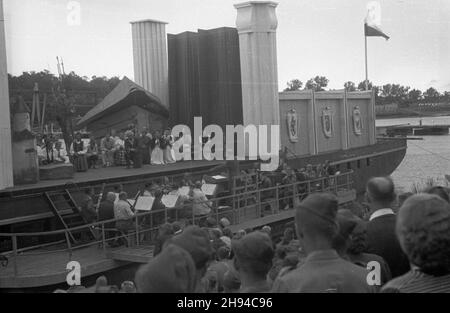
x: 373, y: 21
x: 374, y: 31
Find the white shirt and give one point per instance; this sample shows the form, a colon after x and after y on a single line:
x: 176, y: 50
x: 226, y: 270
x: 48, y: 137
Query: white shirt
x: 381, y: 212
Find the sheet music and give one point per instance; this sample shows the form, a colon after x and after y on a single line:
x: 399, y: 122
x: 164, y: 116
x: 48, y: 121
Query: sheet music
x: 144, y: 203
x: 170, y: 201
x: 209, y: 189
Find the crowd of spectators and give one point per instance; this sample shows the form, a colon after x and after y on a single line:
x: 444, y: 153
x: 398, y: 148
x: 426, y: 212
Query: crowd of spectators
x: 327, y: 249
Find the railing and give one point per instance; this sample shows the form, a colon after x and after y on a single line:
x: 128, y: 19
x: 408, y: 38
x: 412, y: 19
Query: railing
x: 239, y: 207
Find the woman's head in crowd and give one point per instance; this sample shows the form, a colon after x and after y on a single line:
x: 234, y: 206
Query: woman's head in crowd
x: 423, y: 229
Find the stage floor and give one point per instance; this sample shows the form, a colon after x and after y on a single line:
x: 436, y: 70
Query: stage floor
x: 116, y: 175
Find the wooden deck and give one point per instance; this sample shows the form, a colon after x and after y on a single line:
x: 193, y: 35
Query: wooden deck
x: 114, y: 175
x: 138, y: 254
x: 45, y: 267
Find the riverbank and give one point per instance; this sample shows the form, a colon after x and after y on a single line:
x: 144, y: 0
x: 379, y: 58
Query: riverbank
x: 413, y: 114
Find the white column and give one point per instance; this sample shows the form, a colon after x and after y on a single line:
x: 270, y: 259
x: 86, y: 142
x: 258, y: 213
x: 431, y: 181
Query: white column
x: 256, y: 24
x: 6, y: 166
x: 150, y: 57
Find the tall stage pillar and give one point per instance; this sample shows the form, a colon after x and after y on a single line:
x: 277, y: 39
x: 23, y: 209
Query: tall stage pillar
x: 150, y: 57
x: 6, y: 164
x: 257, y: 24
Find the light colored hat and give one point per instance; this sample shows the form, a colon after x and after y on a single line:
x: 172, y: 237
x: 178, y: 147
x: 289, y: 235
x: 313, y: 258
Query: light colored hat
x: 224, y: 222
x: 227, y: 241
x: 128, y: 133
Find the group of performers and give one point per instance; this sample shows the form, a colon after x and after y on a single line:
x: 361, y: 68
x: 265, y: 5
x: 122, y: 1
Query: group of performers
x: 131, y: 148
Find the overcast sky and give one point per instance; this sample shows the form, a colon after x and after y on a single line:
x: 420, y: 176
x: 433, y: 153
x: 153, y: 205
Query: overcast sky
x: 314, y: 37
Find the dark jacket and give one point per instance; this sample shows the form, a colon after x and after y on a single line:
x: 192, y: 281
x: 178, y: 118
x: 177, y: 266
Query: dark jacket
x: 382, y: 241
x: 106, y: 212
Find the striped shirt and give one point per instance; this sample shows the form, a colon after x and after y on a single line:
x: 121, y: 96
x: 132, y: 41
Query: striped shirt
x: 417, y: 282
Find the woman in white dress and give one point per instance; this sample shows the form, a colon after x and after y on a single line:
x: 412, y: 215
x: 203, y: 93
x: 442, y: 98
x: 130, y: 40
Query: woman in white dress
x: 157, y: 157
x: 169, y: 154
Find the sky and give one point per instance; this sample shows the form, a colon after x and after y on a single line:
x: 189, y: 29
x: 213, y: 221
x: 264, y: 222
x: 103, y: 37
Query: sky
x: 314, y: 37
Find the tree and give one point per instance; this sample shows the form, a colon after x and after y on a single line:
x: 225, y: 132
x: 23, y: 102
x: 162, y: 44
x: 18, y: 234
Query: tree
x: 414, y: 95
x: 431, y: 95
x: 350, y: 86
x: 317, y: 83
x: 293, y: 85
x: 362, y: 85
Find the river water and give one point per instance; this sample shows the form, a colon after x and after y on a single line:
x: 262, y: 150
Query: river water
x: 425, y: 159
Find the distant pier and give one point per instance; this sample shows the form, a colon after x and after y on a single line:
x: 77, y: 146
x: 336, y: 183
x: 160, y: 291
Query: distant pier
x: 413, y: 130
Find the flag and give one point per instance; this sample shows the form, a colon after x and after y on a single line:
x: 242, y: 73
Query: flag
x: 374, y: 31
x: 373, y: 21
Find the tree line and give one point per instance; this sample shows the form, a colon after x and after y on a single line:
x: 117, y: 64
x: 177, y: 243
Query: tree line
x: 67, y: 97
x: 385, y: 94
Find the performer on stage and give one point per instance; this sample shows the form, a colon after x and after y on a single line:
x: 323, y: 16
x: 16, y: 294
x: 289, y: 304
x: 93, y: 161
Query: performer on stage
x: 59, y: 153
x: 92, y: 153
x: 157, y: 153
x: 78, y: 151
x: 130, y: 148
x: 144, y: 144
x: 169, y: 155
x: 119, y: 155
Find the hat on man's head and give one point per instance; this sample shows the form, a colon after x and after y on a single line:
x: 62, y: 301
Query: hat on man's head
x: 317, y: 213
x: 195, y: 241
x: 171, y: 271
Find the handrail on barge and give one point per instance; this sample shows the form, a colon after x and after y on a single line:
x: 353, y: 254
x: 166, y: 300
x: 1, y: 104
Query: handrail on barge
x: 244, y: 204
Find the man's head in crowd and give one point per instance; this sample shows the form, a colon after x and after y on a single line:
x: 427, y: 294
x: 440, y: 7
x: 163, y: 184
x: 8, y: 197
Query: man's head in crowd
x: 253, y: 255
x: 380, y: 193
x: 196, y: 241
x: 111, y: 197
x: 288, y: 235
x: 316, y: 221
x: 171, y: 271
x: 423, y: 229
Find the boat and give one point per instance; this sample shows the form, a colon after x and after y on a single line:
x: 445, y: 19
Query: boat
x: 415, y: 130
x: 41, y: 225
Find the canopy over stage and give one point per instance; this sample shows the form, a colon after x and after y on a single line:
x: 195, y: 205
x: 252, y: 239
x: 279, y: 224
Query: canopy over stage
x: 127, y: 103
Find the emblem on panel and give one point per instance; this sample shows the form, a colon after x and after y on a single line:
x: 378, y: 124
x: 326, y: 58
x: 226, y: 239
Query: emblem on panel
x: 357, y: 121
x: 327, y: 122
x: 292, y: 125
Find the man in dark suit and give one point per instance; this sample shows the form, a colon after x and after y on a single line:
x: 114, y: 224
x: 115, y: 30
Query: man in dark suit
x: 323, y: 270
x: 381, y: 237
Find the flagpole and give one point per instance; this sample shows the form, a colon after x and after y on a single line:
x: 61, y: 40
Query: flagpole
x: 367, y: 71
